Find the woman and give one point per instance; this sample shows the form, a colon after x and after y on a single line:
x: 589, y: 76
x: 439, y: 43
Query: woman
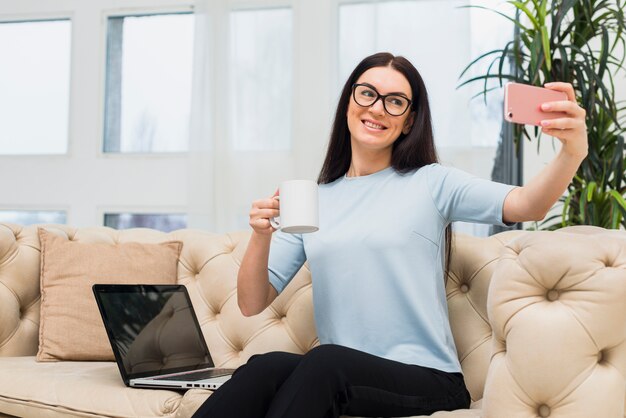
x: 377, y: 262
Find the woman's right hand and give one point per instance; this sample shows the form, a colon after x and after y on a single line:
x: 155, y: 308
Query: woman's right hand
x: 261, y: 211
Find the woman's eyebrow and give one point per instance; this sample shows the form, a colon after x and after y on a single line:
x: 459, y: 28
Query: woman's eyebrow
x: 399, y: 93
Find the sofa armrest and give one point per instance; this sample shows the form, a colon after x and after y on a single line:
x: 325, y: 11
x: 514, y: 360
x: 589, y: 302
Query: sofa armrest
x: 557, y: 306
x: 19, y: 290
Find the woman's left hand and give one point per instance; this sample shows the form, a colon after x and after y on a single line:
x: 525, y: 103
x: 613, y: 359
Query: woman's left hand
x: 571, y: 129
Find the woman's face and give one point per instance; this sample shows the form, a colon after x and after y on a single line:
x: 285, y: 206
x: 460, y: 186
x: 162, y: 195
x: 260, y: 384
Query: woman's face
x: 371, y: 127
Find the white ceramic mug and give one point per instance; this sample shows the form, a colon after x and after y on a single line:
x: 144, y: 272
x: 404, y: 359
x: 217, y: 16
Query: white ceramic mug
x: 299, y: 207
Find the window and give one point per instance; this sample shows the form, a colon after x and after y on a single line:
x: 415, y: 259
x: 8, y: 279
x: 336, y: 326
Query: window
x: 148, y: 83
x: 489, y: 31
x: 161, y: 222
x: 408, y: 28
x: 261, y: 79
x: 30, y: 217
x: 34, y: 87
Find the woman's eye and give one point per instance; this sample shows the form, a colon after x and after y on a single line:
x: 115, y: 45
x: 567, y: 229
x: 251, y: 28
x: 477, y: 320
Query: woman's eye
x: 396, y: 101
x: 368, y: 93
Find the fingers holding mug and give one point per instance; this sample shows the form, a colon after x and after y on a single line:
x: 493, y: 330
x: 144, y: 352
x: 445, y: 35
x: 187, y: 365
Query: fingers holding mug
x: 275, y: 220
x: 260, y: 214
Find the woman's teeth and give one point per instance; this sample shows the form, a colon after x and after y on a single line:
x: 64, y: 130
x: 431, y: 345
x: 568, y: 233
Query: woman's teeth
x: 373, y: 125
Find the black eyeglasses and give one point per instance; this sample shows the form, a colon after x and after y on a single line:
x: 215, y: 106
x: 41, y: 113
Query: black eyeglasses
x: 365, y: 95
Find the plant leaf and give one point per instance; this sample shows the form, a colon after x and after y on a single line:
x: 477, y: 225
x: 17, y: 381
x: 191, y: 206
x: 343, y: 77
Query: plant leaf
x: 615, y: 219
x: 486, y: 54
x: 521, y: 6
x: 590, y: 188
x: 471, y: 80
x: 474, y: 6
x: 563, y: 9
x: 566, y: 205
x: 545, y: 41
x: 618, y: 198
x: 582, y: 205
x: 618, y: 163
x: 480, y: 93
x: 505, y: 54
x: 604, y: 53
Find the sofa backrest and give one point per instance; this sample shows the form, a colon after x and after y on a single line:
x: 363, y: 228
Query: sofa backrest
x: 208, y: 266
x: 472, y: 264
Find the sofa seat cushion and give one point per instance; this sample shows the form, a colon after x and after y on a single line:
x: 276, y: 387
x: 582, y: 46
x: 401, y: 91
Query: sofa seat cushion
x: 474, y: 412
x: 85, y: 389
x: 95, y: 389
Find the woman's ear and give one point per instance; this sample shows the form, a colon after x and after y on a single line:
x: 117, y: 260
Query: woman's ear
x: 408, y: 123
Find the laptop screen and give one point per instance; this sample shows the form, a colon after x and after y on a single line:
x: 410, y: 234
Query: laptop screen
x: 152, y: 328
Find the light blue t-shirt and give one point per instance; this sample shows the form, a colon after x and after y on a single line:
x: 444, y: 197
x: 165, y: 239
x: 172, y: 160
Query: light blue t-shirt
x: 377, y: 260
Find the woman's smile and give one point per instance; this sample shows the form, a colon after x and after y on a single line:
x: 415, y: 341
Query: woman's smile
x: 373, y: 125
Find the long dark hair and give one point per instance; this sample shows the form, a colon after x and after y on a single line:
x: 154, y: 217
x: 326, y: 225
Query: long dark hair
x: 410, y: 152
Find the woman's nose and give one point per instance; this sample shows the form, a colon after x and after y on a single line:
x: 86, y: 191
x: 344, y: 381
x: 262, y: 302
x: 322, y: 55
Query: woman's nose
x: 377, y: 108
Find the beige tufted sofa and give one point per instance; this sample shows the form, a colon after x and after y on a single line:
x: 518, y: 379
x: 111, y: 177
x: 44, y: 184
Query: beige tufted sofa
x: 539, y: 320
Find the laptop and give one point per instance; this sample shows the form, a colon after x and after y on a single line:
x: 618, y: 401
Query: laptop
x: 156, y: 337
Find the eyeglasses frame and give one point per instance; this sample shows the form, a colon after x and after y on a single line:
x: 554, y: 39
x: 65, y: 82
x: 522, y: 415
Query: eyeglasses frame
x: 380, y: 97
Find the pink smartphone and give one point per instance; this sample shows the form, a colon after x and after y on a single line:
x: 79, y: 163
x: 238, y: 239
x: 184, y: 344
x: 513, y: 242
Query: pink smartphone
x: 522, y: 103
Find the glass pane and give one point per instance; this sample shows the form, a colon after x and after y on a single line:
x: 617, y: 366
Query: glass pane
x: 34, y: 87
x: 31, y: 217
x: 489, y: 31
x: 261, y: 79
x: 162, y: 222
x: 148, y: 83
x: 422, y: 20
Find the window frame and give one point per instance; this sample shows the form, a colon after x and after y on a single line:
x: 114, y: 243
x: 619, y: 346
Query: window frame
x: 106, y: 13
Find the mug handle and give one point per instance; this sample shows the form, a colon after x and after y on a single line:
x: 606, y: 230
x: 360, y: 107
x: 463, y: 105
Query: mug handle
x: 275, y: 220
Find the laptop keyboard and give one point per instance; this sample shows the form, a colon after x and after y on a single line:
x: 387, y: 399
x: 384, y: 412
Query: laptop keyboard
x: 199, y: 375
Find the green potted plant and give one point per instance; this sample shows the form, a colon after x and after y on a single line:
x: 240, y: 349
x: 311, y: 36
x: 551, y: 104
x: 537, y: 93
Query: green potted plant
x: 581, y: 42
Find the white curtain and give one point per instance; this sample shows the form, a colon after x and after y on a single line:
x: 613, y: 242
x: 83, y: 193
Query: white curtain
x: 201, y: 182
x: 226, y: 172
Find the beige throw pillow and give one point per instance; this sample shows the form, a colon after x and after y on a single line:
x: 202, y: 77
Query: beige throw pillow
x: 70, y: 325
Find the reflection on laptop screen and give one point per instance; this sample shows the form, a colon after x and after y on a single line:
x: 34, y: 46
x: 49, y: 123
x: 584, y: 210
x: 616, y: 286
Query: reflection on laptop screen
x: 154, y: 331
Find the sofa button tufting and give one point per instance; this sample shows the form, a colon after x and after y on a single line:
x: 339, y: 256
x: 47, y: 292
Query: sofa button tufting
x: 544, y: 411
x: 464, y: 288
x: 600, y: 356
x: 552, y: 295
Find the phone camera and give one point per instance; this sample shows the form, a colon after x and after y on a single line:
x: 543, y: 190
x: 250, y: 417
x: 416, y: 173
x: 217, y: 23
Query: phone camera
x: 510, y: 114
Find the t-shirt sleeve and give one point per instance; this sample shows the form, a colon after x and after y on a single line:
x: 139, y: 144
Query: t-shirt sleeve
x: 460, y: 196
x: 286, y: 257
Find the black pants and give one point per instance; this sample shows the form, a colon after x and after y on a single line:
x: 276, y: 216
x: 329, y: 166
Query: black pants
x: 330, y: 381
